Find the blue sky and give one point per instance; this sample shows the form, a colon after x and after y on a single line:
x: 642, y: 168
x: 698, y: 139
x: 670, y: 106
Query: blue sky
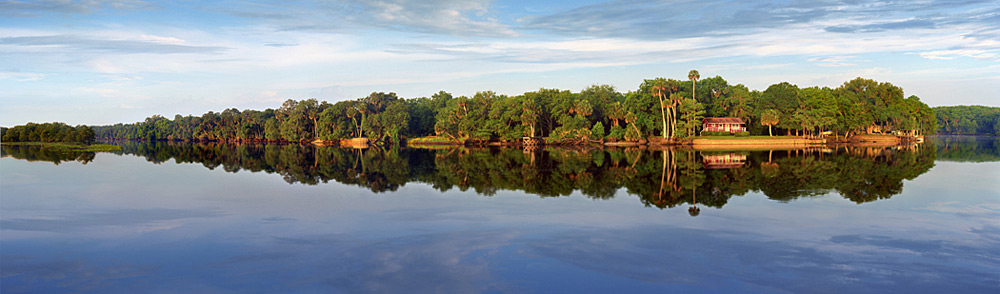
x: 102, y: 62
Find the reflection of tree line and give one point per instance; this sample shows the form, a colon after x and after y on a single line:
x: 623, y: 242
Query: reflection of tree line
x: 307, y: 164
x: 661, y: 178
x: 968, y: 148
x: 40, y: 153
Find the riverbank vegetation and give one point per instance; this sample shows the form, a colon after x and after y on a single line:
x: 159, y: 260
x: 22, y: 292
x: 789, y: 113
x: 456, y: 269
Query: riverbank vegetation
x: 665, y: 108
x: 67, y: 146
x: 48, y: 133
x: 968, y: 120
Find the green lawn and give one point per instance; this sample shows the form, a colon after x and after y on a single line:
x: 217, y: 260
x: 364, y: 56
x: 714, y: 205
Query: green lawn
x: 68, y: 147
x: 432, y: 140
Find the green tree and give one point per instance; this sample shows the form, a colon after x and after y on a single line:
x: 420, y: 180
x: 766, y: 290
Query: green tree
x: 770, y: 118
x: 784, y: 98
x: 272, y: 131
x: 818, y: 109
x: 84, y: 134
x: 715, y: 96
x: 531, y: 113
x: 692, y: 113
x: 737, y: 102
x: 394, y: 120
x: 600, y: 97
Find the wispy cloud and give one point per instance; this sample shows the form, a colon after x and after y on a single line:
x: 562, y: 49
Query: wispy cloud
x: 280, y: 44
x: 654, y: 20
x: 884, y: 26
x: 832, y: 60
x: 952, y: 54
x: 19, y: 8
x: 438, y: 17
x: 78, y: 43
x: 671, y: 20
x: 21, y: 76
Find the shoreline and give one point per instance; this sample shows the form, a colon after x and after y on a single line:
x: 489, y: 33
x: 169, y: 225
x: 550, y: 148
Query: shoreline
x: 698, y: 143
x: 67, y: 146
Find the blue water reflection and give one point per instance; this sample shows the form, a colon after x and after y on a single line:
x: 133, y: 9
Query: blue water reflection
x: 120, y: 224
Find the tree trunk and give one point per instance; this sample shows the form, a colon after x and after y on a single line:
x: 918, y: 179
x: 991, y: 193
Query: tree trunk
x: 637, y: 130
x: 663, y: 114
x: 315, y: 127
x: 664, y: 174
x: 769, y: 133
x: 694, y: 86
x: 361, y: 130
x: 673, y: 120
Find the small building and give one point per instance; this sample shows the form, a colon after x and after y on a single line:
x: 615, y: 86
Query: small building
x: 723, y: 124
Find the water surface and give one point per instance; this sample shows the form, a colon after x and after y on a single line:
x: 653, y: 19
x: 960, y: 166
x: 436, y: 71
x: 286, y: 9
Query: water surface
x: 215, y: 218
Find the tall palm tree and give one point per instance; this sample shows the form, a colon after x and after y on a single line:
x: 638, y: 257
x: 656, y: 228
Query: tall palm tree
x: 659, y: 91
x: 693, y: 76
x: 665, y: 90
x: 675, y: 101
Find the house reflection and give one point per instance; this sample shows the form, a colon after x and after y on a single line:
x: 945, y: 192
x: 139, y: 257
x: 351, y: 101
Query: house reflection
x: 724, y: 161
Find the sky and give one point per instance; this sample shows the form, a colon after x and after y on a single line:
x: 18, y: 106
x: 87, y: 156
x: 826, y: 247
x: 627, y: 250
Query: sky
x: 103, y: 62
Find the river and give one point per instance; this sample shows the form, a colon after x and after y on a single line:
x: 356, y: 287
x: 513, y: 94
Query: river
x: 217, y: 218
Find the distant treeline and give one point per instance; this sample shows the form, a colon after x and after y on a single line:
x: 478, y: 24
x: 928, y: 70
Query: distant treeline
x: 968, y: 120
x: 48, y: 132
x: 659, y: 107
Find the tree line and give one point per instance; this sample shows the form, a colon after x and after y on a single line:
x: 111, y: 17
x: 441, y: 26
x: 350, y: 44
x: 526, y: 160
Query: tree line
x: 660, y: 107
x: 968, y: 120
x: 48, y: 132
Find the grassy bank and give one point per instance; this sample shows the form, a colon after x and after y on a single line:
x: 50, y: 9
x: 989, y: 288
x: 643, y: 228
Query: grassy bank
x: 747, y: 138
x: 67, y: 147
x: 433, y: 140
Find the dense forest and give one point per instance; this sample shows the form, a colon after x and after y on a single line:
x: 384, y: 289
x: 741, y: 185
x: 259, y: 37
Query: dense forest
x: 660, y: 107
x: 48, y: 132
x: 662, y: 178
x: 968, y: 120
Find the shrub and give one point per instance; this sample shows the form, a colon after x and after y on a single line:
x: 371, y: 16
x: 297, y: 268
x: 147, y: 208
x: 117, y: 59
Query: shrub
x: 631, y: 134
x: 597, y: 131
x: 715, y: 133
x: 616, y: 133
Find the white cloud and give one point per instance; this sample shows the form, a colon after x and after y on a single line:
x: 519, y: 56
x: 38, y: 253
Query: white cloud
x: 164, y: 40
x: 103, y: 92
x: 22, y: 76
x: 832, y: 61
x: 955, y: 53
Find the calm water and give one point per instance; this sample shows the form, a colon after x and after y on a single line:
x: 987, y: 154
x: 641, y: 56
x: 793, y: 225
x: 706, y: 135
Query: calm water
x: 212, y: 218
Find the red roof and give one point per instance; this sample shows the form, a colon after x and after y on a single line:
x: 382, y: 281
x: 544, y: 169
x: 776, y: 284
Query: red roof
x: 723, y: 120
